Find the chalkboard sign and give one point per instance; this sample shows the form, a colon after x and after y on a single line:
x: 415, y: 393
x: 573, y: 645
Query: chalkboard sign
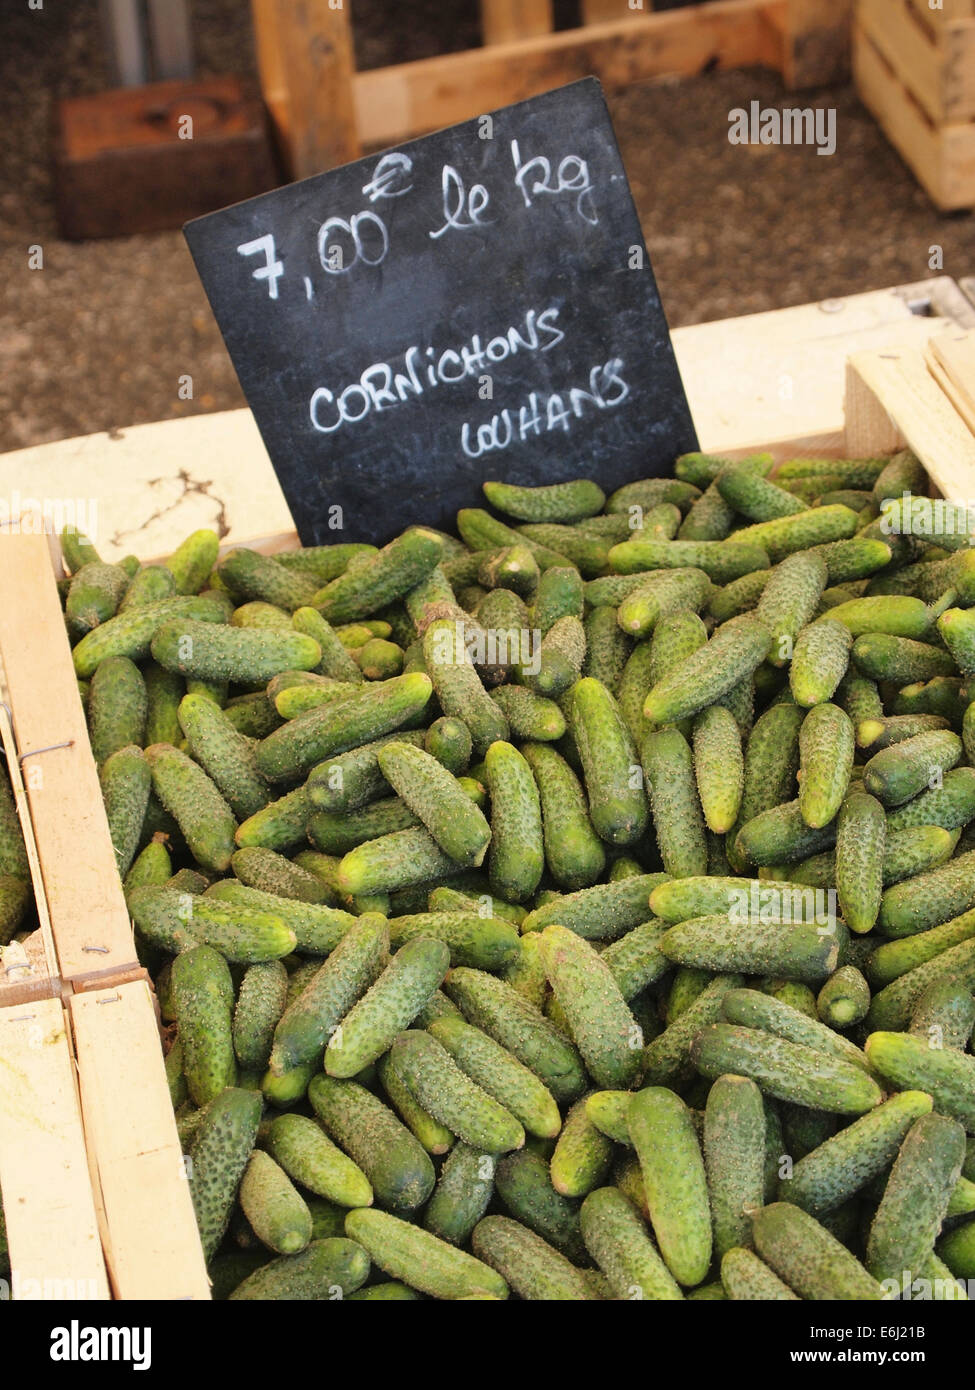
x: 478, y: 303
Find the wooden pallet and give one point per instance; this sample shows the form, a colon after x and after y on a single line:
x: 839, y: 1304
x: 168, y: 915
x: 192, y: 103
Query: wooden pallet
x: 915, y: 70
x: 324, y: 112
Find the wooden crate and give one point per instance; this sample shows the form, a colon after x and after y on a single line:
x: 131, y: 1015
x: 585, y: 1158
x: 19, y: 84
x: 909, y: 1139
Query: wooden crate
x: 891, y: 399
x: 915, y: 70
x: 324, y: 112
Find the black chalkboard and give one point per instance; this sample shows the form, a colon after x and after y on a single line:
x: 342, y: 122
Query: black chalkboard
x: 478, y: 303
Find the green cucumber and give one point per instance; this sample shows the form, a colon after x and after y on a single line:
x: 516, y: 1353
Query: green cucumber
x: 435, y: 1137
x: 618, y: 1241
x: 748, y: 1279
x: 309, y: 1157
x: 604, y: 912
x: 203, y: 996
x: 273, y: 1206
x: 582, y: 1154
x: 801, y: 951
x: 678, y: 822
x: 432, y: 794
x: 861, y: 838
x: 421, y: 1259
x: 930, y: 899
x: 826, y: 749
x: 819, y: 661
x: 915, y: 1201
x: 221, y: 1147
x: 734, y: 1159
x: 517, y: 854
x: 601, y: 1024
x: 225, y: 755
x: 789, y: 600
x: 617, y: 801
x: 785, y: 1070
x: 666, y: 1058
x: 719, y: 767
x: 193, y: 799
x: 500, y: 1074
x: 458, y: 686
x: 397, y: 1166
x: 908, y: 1062
x: 808, y: 1258
x: 899, y: 773
x: 117, y: 707
x: 126, y: 781
x: 732, y: 654
x: 260, y: 1004
x: 325, y: 1269
x: 753, y: 1008
x: 573, y: 852
x: 674, y: 1180
x: 451, y: 1097
x: 464, y: 1190
x: 524, y: 1185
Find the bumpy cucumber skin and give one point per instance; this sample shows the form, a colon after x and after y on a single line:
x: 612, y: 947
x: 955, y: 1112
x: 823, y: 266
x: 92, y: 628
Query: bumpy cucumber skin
x: 945, y: 1015
x: 534, y: 1269
x: 831, y: 1174
x: 845, y: 998
x: 189, y: 795
x: 734, y: 1159
x: 524, y: 1185
x: 225, y: 755
x: 800, y: 951
x: 380, y: 579
x: 910, y: 1063
x: 500, y: 1074
x: 125, y: 782
x: 117, y: 706
x: 674, y: 1179
x: 314, y: 1275
x: 356, y: 963
x: 573, y: 851
x: 607, y: 1111
x: 819, y: 661
x: 780, y: 835
x: 203, y: 993
x: 273, y: 1206
x: 555, y: 502
x: 789, y: 600
x: 464, y: 1190
x: 209, y: 651
x: 483, y: 943
x: 719, y: 767
x: 602, y: 1026
x: 387, y: 1007
x: 896, y: 774
x: 221, y: 1147
x: 435, y: 1137
x: 336, y: 661
x: 421, y: 1259
x: 309, y: 1157
x: 950, y: 806
x: 860, y: 840
x: 746, y: 1278
x: 131, y: 633
x: 396, y: 1164
x: 636, y: 961
x: 721, y: 560
x: 252, y: 576
x: 604, y: 912
x: 915, y: 1201
x: 677, y: 818
x: 617, y: 802
x: 512, y: 1021
x: 785, y: 1070
x: 732, y: 654
x: 350, y: 780
x: 318, y: 928
x: 618, y: 1241
x: 452, y: 1097
x: 666, y: 1058
x: 260, y: 1004
x: 812, y: 1261
x: 930, y: 899
x: 517, y: 855
x: 582, y: 1154
x: 459, y: 687
x: 827, y: 745
x: 433, y: 794
x: 752, y: 1008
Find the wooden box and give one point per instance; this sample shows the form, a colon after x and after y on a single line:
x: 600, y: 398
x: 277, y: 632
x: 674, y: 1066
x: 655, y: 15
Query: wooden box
x: 915, y: 71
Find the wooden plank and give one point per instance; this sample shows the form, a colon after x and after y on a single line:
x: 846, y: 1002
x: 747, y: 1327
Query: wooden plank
x: 605, y: 11
x: 505, y: 20
x: 153, y: 1247
x: 951, y: 359
x: 306, y: 61
x: 817, y: 38
x: 55, y: 1251
x: 89, y: 919
x: 910, y: 49
x: 396, y: 102
x: 947, y: 10
x: 900, y: 385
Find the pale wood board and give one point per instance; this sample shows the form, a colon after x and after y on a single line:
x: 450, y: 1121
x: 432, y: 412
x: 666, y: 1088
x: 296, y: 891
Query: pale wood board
x: 81, y: 881
x: 950, y: 10
x: 910, y: 48
x: 412, y: 98
x: 951, y: 359
x: 55, y: 1251
x: 604, y: 11
x: 149, y: 492
x: 920, y: 415
x: 153, y: 1246
x: 505, y: 20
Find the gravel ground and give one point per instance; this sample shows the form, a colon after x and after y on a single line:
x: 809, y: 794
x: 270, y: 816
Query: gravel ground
x: 99, y: 337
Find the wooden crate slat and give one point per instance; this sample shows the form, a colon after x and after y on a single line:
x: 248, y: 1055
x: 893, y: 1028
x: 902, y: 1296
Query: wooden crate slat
x: 55, y: 1250
x: 153, y: 1247
x: 505, y: 20
x: 951, y: 358
x: 899, y: 385
x: 89, y: 918
x: 605, y: 11
x: 411, y: 98
x: 912, y: 51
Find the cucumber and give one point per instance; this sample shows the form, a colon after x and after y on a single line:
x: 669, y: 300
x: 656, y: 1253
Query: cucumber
x: 930, y: 899
x: 354, y: 779
x: 451, y: 1097
x: 844, y: 999
x: 652, y: 492
x: 524, y: 1185
x: 740, y: 596
x: 398, y: 1168
x: 808, y: 1258
x: 573, y: 851
x: 710, y: 518
x: 897, y: 774
x: 117, y: 707
x: 94, y: 595
x: 338, y: 832
x: 601, y: 1024
x: 317, y: 928
x: 780, y: 836
x: 785, y: 1070
x: 388, y: 1006
x: 722, y: 561
x: 912, y: 965
x: 381, y: 578
x: 582, y: 1154
x: 618, y: 1241
x: 950, y: 806
x: 957, y: 1250
x: 267, y: 872
x: 826, y: 749
x: 126, y: 782
x: 435, y: 1137
x: 944, y: 1015
x: 517, y: 855
x: 225, y: 755
x: 203, y: 995
x: 461, y: 1197
x: 746, y: 1279
x: 663, y: 594
x: 819, y: 661
x: 755, y: 1009
x: 801, y: 951
x: 734, y: 1159
x: 307, y: 1024
x: 719, y: 767
x: 636, y: 961
x: 604, y: 912
x: 421, y: 1259
x: 432, y: 794
x: 789, y: 600
x: 677, y: 818
x: 130, y: 634
x: 458, y: 686
x: 672, y: 1167
x: 212, y: 652
x: 484, y: 943
x: 732, y: 655
x: 365, y: 716
x: 324, y: 1270
x: 617, y: 802
x: 192, y: 562
x: 260, y: 1004
x: 529, y: 716
x: 249, y: 575
x: 499, y: 1073
x: 336, y: 661
x: 915, y: 1202
x: 666, y: 1058
x: 534, y: 1269
x: 273, y: 1206
x: 900, y: 659
x: 222, y: 1145
x: 861, y: 838
x: 397, y: 860
x: 309, y: 1157
x: 754, y: 497
x: 193, y: 799
x: 907, y: 1062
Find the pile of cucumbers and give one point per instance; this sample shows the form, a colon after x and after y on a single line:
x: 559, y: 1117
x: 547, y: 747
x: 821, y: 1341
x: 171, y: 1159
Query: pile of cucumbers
x: 582, y: 908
